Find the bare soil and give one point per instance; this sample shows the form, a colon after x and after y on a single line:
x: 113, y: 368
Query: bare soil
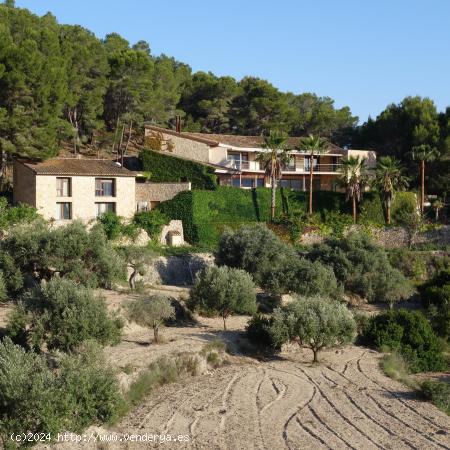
x: 344, y: 402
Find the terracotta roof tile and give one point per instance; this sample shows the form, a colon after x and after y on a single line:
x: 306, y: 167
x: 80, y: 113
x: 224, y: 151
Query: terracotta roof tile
x: 233, y: 140
x: 74, y: 166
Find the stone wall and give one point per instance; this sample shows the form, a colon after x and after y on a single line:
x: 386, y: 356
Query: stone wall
x: 185, y: 148
x: 176, y: 270
x: 159, y: 192
x: 24, y: 184
x: 83, y: 197
x: 393, y: 237
x: 174, y: 225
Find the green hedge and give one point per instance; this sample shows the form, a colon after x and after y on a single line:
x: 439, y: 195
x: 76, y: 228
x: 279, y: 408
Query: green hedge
x: 165, y: 168
x: 205, y: 214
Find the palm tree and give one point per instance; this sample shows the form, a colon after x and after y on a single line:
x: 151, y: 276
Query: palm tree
x: 389, y: 178
x: 273, y: 160
x: 316, y: 146
x: 353, y: 177
x: 423, y: 153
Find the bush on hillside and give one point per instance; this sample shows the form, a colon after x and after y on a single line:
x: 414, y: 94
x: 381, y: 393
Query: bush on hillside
x: 167, y: 168
x: 273, y: 264
x: 301, y: 276
x: 151, y: 221
x: 36, y: 398
x: 411, y: 335
x: 13, y: 215
x: 223, y: 291
x: 31, y: 253
x: 259, y: 333
x: 62, y: 315
x: 436, y: 291
x: 438, y: 393
x: 115, y: 227
x: 314, y: 322
x: 363, y: 268
x: 151, y: 312
x: 435, y: 296
x: 255, y: 249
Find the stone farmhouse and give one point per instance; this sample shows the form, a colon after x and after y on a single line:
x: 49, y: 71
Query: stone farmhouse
x: 65, y: 189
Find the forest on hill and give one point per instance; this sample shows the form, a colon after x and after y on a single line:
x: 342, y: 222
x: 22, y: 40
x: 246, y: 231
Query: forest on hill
x: 62, y: 84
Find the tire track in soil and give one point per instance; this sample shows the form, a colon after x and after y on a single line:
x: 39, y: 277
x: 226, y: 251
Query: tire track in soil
x: 362, y: 411
x: 364, y: 390
x: 345, y: 418
x: 396, y: 396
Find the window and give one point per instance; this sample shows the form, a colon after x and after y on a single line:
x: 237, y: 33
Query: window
x: 63, y: 211
x: 247, y: 182
x: 63, y: 188
x: 308, y: 164
x: 236, y: 182
x: 102, y: 208
x: 104, y: 187
x: 260, y: 182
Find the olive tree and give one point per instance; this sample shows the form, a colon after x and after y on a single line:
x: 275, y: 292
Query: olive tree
x: 151, y: 312
x: 315, y: 323
x: 136, y: 258
x: 224, y: 291
x: 62, y: 315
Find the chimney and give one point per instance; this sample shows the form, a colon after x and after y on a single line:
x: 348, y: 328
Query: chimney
x: 178, y: 124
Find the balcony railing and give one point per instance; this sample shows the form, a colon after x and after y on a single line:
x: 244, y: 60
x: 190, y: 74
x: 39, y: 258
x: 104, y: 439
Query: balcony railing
x: 300, y: 168
x: 242, y: 165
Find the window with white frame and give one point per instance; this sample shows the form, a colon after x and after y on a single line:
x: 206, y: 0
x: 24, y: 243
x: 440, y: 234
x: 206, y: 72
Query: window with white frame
x: 63, y: 187
x: 63, y: 211
x: 105, y: 207
x: 105, y: 187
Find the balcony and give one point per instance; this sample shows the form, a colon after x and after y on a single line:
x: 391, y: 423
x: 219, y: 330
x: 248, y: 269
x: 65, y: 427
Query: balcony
x: 299, y: 168
x: 316, y: 168
x: 242, y: 165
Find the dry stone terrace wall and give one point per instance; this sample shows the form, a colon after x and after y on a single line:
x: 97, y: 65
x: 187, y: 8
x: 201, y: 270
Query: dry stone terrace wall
x: 393, y: 237
x: 159, y: 192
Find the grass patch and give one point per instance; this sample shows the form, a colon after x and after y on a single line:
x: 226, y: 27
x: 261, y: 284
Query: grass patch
x: 396, y: 367
x: 169, y: 369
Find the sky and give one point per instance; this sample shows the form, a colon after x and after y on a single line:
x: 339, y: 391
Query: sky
x: 364, y: 54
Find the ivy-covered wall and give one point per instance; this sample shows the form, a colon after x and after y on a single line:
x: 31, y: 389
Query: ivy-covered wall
x: 163, y: 167
x: 205, y: 214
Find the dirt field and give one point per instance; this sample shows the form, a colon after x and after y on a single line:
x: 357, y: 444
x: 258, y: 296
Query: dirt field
x: 285, y: 403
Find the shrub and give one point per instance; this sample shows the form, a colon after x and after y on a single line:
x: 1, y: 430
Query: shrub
x: 363, y: 268
x: 258, y: 331
x: 151, y: 312
x: 151, y: 221
x: 3, y: 288
x: 436, y: 291
x: 37, y: 252
x: 302, y: 276
x: 90, y: 387
x: 51, y: 396
x: 371, y: 210
x: 136, y: 258
x: 315, y: 323
x: 411, y: 335
x: 114, y: 227
x: 167, y: 168
x: 28, y: 395
x: 13, y: 215
x: 438, y: 393
x: 63, y: 315
x: 255, y: 249
x: 223, y: 291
